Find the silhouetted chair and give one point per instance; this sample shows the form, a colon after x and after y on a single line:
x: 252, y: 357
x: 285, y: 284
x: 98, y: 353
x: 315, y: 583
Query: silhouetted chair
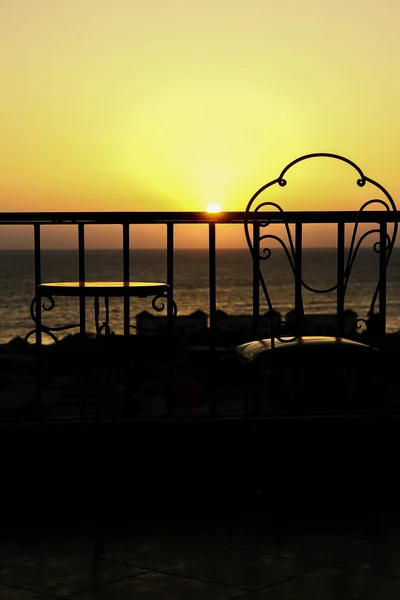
x: 293, y: 370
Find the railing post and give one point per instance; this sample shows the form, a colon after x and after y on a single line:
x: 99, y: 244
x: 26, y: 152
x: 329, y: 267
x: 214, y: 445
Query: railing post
x: 212, y: 280
x: 255, y: 382
x: 38, y: 313
x: 213, y: 305
x: 298, y: 303
x: 126, y: 311
x: 82, y: 277
x: 126, y: 274
x: 340, y: 279
x: 172, y: 354
x: 170, y: 273
x: 382, y: 278
x: 82, y: 317
x: 256, y: 281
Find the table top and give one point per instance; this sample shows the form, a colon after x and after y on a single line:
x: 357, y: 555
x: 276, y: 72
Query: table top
x: 140, y: 289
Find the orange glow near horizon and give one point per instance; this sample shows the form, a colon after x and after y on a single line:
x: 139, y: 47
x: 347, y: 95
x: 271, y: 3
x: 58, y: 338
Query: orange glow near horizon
x: 123, y: 106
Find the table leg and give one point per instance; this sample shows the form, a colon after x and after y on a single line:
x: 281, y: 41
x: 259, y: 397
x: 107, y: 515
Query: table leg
x: 158, y: 304
x: 36, y: 312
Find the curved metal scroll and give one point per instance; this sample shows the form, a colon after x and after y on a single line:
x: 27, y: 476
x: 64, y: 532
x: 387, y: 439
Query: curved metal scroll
x: 159, y: 303
x: 45, y: 328
x: 289, y: 247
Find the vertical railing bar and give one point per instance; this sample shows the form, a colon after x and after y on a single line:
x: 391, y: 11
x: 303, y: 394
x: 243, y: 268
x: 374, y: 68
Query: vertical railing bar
x: 256, y: 280
x: 172, y: 354
x: 38, y: 280
x: 213, y: 308
x: 381, y: 398
x: 82, y: 277
x: 340, y: 279
x: 298, y: 302
x: 126, y: 274
x: 255, y: 382
x: 37, y: 254
x: 170, y: 270
x: 82, y: 316
x: 340, y: 293
x: 127, y: 309
x: 212, y: 280
x: 38, y: 314
x: 382, y: 278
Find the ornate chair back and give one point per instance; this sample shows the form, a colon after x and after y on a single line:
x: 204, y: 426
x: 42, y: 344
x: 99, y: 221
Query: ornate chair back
x: 294, y: 334
x: 261, y: 214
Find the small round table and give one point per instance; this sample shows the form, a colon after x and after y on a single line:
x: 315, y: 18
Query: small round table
x: 95, y: 289
x: 161, y: 298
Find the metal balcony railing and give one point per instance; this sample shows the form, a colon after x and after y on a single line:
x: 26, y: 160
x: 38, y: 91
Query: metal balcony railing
x: 376, y: 220
x: 299, y: 219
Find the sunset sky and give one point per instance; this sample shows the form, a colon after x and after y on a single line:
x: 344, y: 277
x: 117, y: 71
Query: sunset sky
x: 156, y: 105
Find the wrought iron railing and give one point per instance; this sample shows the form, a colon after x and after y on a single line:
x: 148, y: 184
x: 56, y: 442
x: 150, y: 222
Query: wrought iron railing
x: 378, y: 220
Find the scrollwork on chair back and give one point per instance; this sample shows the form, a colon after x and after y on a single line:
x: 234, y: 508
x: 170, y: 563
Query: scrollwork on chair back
x: 273, y: 213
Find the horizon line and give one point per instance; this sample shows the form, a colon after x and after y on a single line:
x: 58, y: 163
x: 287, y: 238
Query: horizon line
x: 164, y: 248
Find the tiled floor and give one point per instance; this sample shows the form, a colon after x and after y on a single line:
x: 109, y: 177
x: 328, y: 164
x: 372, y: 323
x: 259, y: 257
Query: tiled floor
x: 253, y: 558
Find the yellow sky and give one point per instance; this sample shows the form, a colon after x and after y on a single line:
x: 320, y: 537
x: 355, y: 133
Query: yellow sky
x: 129, y: 104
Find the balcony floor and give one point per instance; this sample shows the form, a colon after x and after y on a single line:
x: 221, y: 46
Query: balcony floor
x: 259, y: 509
x: 254, y: 558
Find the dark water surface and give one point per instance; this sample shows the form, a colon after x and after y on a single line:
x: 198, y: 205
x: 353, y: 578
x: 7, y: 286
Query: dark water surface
x: 234, y: 282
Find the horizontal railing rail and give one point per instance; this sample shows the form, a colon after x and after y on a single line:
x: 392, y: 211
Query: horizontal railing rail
x: 194, y: 217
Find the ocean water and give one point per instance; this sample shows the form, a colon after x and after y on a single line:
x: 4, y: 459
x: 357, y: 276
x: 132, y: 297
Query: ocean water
x: 234, y: 283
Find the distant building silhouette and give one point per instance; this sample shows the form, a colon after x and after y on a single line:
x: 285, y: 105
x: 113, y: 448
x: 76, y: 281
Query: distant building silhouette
x: 191, y: 325
x: 243, y: 324
x: 325, y: 323
x: 229, y: 326
x: 196, y: 324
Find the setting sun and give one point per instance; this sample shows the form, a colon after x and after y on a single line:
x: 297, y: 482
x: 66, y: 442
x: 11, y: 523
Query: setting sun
x: 213, y: 208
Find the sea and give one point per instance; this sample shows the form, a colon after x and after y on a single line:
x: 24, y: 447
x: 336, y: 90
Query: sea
x: 191, y: 281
